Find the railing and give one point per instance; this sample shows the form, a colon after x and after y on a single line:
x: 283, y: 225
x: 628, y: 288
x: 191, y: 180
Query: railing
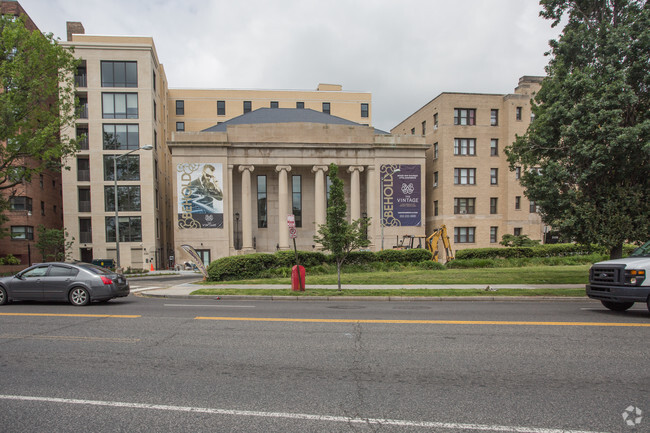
x: 84, y: 206
x: 83, y: 111
x: 80, y: 81
x: 83, y: 175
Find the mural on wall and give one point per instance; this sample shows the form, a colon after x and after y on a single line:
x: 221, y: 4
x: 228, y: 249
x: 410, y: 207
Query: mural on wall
x: 200, y: 197
x: 401, y: 195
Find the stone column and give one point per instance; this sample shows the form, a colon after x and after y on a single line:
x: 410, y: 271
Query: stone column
x: 283, y: 205
x: 230, y: 211
x: 320, y: 199
x: 372, y: 208
x: 355, y: 192
x: 246, y: 211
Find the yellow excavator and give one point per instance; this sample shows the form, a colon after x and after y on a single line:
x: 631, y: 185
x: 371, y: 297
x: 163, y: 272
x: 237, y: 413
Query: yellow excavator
x: 432, y: 244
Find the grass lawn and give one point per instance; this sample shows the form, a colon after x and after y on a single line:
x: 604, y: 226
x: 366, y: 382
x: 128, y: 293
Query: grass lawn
x: 526, y: 275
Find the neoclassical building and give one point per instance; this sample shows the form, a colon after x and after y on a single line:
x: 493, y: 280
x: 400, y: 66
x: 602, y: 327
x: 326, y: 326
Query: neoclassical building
x: 273, y: 162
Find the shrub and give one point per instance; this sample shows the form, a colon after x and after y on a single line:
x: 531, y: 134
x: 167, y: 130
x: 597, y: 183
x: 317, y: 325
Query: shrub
x: 472, y: 263
x: 9, y: 259
x: 240, y: 267
x: 430, y: 265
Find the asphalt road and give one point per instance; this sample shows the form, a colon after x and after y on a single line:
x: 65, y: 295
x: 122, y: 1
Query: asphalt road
x: 141, y: 364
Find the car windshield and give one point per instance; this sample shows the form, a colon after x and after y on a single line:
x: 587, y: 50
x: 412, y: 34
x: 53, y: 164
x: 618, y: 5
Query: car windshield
x: 95, y: 269
x: 642, y: 251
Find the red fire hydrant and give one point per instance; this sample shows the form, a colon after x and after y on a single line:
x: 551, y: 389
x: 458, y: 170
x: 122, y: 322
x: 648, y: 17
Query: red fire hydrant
x: 298, y: 280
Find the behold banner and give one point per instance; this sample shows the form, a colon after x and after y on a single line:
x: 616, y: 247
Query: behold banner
x: 200, y: 198
x: 401, y: 195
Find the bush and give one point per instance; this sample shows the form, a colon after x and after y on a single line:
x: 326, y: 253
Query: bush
x: 551, y: 250
x: 9, y: 259
x: 306, y: 258
x: 430, y: 265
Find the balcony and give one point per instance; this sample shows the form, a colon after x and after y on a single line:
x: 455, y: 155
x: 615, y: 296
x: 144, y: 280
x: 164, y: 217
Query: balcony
x: 81, y: 80
x: 83, y: 110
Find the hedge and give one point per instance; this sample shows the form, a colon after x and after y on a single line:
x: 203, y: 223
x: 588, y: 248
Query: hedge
x: 549, y: 250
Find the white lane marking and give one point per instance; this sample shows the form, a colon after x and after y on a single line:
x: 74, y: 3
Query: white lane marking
x: 138, y: 289
x: 605, y: 309
x: 300, y: 416
x: 215, y: 306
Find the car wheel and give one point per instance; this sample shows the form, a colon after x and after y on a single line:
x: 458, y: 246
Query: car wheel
x: 617, y: 306
x: 79, y: 297
x: 3, y: 296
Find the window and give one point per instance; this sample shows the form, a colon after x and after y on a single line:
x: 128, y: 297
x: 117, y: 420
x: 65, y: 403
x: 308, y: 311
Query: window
x: 494, y: 234
x: 84, y: 199
x: 261, y: 202
x: 130, y: 229
x: 435, y: 179
x: 464, y: 176
x: 435, y: 208
x: 494, y: 201
x: 120, y: 105
x: 364, y: 110
x: 119, y: 74
x: 300, y: 105
x: 494, y: 147
x: 464, y: 206
x: 40, y: 180
x: 517, y: 173
x: 121, y: 137
x: 424, y: 127
x: 83, y: 107
x: 81, y: 77
x: 153, y: 79
x: 494, y: 176
x: 494, y: 117
x: 180, y: 126
x: 20, y: 203
x: 128, y: 167
x: 180, y: 108
x: 464, y: 146
x: 42, y: 208
x: 465, y: 116
x: 435, y: 150
x: 517, y: 231
x: 82, y: 137
x: 435, y: 121
x: 464, y: 235
x: 155, y: 139
x: 412, y: 131
x: 296, y: 198
x: 85, y: 231
x: 275, y: 104
x: 518, y: 113
x: 326, y: 107
x: 83, y: 169
x: 62, y: 271
x: 155, y: 110
x: 128, y: 198
x: 533, y: 208
x: 22, y: 232
x: 221, y: 108
x: 518, y: 202
x: 248, y: 107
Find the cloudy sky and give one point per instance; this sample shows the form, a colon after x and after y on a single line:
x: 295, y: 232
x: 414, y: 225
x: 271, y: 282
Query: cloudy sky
x: 404, y: 52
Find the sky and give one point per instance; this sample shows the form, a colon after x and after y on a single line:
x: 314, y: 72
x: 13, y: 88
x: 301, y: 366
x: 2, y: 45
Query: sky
x: 404, y: 52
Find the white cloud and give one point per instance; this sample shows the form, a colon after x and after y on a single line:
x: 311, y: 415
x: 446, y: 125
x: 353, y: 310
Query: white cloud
x: 405, y: 53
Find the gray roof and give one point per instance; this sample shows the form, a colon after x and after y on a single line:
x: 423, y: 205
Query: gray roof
x: 283, y: 115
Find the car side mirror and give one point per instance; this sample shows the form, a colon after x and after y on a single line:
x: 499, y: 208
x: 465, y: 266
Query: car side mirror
x: 19, y: 276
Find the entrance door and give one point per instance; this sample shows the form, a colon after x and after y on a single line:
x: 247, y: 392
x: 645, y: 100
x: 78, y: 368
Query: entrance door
x: 205, y: 257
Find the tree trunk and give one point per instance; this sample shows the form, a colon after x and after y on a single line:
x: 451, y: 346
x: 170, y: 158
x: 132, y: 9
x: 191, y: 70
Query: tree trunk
x: 338, y: 271
x: 616, y: 252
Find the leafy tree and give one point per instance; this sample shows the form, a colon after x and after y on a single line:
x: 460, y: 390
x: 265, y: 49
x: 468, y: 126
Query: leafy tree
x: 337, y: 235
x: 586, y: 154
x: 36, y: 102
x: 53, y: 244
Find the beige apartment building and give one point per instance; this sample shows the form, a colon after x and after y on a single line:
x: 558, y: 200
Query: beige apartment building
x: 469, y: 185
x: 122, y: 88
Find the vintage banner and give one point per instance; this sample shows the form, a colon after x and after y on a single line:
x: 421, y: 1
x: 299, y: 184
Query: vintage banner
x: 200, y: 197
x: 401, y: 195
x: 196, y: 259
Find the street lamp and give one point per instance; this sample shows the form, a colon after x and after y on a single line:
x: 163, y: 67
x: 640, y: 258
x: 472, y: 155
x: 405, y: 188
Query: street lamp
x: 381, y: 204
x: 117, y: 220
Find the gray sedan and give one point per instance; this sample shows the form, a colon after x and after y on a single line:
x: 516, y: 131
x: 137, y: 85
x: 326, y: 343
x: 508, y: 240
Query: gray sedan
x: 79, y: 283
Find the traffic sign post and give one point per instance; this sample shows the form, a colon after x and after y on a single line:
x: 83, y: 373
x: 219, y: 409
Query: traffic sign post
x: 293, y: 234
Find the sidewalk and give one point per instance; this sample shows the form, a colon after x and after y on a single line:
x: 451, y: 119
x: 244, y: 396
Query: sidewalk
x: 183, y: 291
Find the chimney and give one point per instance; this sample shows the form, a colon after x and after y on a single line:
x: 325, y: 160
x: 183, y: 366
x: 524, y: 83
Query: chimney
x: 74, y: 28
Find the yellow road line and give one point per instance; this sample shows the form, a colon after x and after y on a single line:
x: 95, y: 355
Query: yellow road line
x: 419, y: 322
x: 68, y: 338
x: 119, y: 316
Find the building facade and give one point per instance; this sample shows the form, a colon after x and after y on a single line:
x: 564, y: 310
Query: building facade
x: 470, y: 187
x: 31, y: 203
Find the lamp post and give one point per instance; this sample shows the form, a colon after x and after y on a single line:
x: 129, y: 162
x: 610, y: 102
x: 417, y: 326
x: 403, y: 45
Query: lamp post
x: 237, y: 230
x: 381, y: 203
x: 117, y: 220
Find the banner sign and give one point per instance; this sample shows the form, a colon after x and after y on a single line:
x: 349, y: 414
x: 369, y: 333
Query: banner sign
x: 200, y: 198
x: 401, y: 195
x: 196, y: 259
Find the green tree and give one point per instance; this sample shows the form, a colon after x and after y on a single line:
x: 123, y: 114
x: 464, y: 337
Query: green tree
x: 586, y: 154
x: 53, y: 244
x: 509, y: 240
x: 337, y: 235
x: 36, y: 102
